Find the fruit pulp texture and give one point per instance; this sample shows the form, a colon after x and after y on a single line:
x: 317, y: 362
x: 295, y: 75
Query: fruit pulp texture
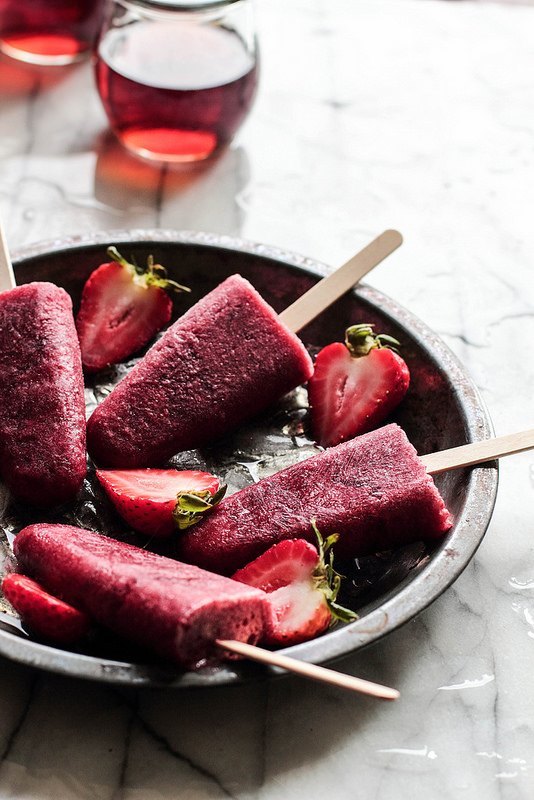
x: 372, y: 490
x: 175, y: 92
x: 42, y: 408
x: 174, y: 609
x: 49, y: 28
x: 224, y: 361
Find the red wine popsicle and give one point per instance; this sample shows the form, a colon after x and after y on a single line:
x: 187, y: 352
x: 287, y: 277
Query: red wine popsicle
x: 372, y: 490
x: 179, y: 611
x: 42, y: 418
x: 225, y: 360
x: 175, y: 609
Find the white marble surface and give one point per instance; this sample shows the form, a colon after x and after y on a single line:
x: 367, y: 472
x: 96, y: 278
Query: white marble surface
x: 418, y: 115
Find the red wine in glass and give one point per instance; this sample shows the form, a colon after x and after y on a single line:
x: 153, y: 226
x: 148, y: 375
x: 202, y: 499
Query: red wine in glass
x: 49, y: 31
x: 175, y: 93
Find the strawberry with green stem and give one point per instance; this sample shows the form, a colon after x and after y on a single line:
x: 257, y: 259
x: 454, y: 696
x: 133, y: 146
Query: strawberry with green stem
x: 123, y: 307
x: 159, y: 502
x: 302, y: 587
x: 355, y: 385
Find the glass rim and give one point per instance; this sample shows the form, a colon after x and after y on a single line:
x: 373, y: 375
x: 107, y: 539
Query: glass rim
x: 179, y: 5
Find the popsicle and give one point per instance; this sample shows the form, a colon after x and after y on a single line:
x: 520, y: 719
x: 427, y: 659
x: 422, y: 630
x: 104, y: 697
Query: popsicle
x: 178, y: 610
x: 373, y: 491
x: 175, y: 609
x: 227, y: 359
x: 42, y: 408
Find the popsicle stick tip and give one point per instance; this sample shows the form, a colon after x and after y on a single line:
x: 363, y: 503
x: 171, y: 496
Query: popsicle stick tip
x: 394, y: 235
x: 330, y: 289
x: 7, y: 277
x: 480, y: 452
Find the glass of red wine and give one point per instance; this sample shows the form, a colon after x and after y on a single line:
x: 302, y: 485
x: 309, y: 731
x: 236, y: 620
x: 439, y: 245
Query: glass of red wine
x: 49, y: 32
x: 177, y: 79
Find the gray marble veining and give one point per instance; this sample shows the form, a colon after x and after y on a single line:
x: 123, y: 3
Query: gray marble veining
x: 418, y: 115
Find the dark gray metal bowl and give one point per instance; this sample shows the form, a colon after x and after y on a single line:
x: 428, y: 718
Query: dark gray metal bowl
x: 443, y: 409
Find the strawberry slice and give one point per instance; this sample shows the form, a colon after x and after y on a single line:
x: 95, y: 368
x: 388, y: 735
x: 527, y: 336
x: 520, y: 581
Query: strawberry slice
x: 158, y: 501
x: 123, y: 307
x: 302, y: 588
x: 355, y: 385
x: 42, y: 613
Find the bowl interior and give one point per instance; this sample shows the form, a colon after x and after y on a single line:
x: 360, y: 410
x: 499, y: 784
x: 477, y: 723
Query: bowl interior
x: 442, y: 409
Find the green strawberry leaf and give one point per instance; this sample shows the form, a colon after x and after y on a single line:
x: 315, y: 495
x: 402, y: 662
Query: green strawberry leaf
x: 191, y: 506
x: 151, y: 275
x: 361, y: 339
x: 327, y: 579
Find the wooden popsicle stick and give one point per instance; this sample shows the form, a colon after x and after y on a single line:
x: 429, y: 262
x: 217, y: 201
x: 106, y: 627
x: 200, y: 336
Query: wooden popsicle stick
x: 468, y: 455
x: 312, y: 671
x: 330, y: 289
x: 7, y: 276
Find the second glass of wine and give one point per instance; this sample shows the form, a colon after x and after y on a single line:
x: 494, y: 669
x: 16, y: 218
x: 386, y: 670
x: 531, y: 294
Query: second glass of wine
x: 177, y: 79
x: 49, y: 32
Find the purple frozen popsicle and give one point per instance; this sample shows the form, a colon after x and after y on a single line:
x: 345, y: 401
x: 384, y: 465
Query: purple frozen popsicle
x: 228, y: 358
x: 175, y: 609
x: 373, y: 490
x: 42, y: 409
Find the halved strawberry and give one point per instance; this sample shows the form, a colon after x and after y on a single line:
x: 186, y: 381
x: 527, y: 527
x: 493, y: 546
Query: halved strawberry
x: 42, y: 613
x: 355, y: 385
x: 123, y: 307
x: 158, y: 501
x: 302, y: 588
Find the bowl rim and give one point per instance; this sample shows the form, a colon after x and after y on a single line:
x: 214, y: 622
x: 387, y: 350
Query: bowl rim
x: 445, y: 566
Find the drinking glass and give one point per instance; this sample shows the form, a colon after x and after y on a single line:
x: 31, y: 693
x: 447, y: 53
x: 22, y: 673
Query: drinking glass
x: 177, y: 79
x: 49, y: 31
